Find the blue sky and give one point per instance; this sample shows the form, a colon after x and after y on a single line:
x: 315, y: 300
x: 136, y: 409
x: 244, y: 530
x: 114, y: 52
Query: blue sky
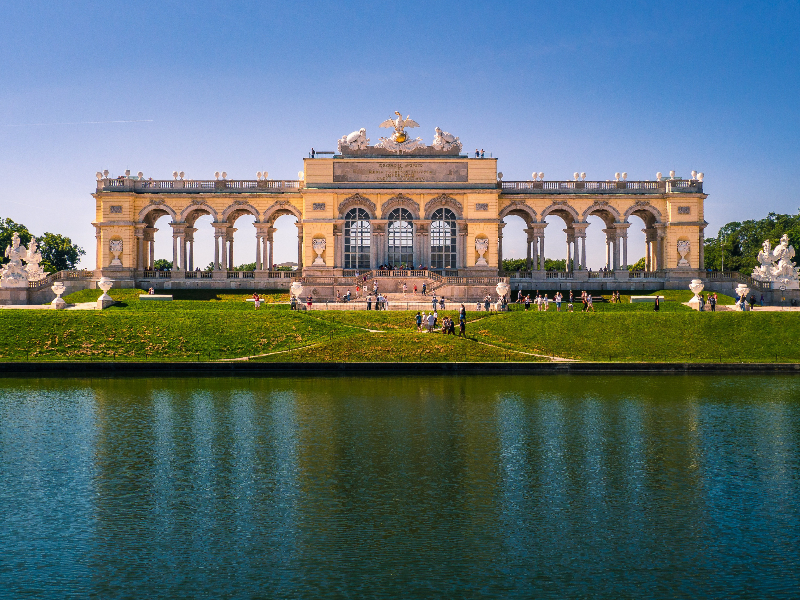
x: 248, y: 86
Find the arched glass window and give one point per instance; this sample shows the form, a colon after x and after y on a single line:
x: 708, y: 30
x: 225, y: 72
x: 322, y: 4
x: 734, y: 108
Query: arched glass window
x: 356, y: 239
x: 443, y: 239
x: 401, y: 238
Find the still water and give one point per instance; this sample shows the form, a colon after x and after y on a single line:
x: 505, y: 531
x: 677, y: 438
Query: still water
x: 456, y: 487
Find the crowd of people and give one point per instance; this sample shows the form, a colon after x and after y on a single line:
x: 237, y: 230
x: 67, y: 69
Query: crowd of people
x: 429, y: 323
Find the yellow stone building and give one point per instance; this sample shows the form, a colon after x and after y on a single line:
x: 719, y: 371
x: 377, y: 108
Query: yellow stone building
x: 426, y: 211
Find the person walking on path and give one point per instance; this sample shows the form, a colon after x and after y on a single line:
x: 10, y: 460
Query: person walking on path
x: 424, y: 289
x: 462, y: 328
x: 405, y: 289
x: 415, y: 289
x: 441, y: 302
x: 712, y: 300
x: 527, y: 302
x: 418, y: 319
x: 434, y: 302
x: 589, y: 304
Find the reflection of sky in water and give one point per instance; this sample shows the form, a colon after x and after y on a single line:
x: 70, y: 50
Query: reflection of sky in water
x: 408, y: 487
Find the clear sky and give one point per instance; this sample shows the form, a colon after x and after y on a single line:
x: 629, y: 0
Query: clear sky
x: 556, y: 87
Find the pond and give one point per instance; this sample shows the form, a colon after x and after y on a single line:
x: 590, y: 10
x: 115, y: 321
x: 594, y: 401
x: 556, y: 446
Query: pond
x: 408, y: 487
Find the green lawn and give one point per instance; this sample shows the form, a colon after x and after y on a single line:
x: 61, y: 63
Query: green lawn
x: 209, y: 325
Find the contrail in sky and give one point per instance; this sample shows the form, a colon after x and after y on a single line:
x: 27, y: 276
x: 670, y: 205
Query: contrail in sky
x: 78, y: 123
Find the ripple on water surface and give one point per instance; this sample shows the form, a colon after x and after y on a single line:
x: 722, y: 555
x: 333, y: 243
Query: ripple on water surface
x: 495, y: 487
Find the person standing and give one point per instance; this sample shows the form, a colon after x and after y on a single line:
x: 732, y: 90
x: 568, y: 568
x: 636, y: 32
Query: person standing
x: 415, y: 289
x: 369, y: 302
x: 657, y: 306
x: 293, y: 304
x: 559, y: 298
x: 256, y: 300
x: 419, y: 321
x: 589, y: 303
x: 424, y: 289
x: 712, y: 300
x: 527, y: 302
x: 405, y: 289
x: 434, y: 302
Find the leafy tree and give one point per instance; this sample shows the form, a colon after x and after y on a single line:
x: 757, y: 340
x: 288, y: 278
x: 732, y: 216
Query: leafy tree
x: 740, y: 243
x: 209, y: 267
x: 58, y: 252
x: 162, y: 264
x: 7, y: 229
x: 519, y: 264
x: 637, y: 266
x: 555, y: 265
x: 246, y: 267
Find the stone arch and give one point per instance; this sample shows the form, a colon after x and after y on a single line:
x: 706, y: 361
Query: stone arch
x: 605, y: 211
x: 443, y: 200
x: 237, y: 209
x: 400, y: 201
x: 645, y: 211
x: 280, y: 208
x: 359, y: 201
x: 154, y: 211
x: 197, y: 206
x: 519, y: 209
x: 563, y: 210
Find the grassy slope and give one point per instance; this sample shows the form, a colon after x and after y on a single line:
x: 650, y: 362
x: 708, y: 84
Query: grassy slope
x: 222, y: 325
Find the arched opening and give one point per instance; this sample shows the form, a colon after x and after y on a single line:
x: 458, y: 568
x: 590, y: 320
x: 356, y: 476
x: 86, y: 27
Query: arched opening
x: 443, y: 239
x: 603, y: 245
x: 560, y: 250
x: 401, y: 238
x: 516, y: 246
x: 357, y: 239
x: 283, y: 247
x: 642, y: 240
x: 200, y: 241
x: 242, y: 251
x: 158, y: 241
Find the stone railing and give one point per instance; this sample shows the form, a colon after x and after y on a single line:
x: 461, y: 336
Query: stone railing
x: 60, y: 276
x: 186, y: 186
x: 666, y: 186
x: 645, y: 275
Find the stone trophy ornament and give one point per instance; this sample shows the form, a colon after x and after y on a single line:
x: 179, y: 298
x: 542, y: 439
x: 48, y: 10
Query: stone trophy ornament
x: 14, y: 274
x: 116, y: 249
x: 399, y: 141
x: 442, y: 140
x: 58, y: 302
x: 683, y: 249
x: 33, y: 258
x: 481, y: 247
x: 319, y: 247
x: 357, y: 140
x: 776, y: 266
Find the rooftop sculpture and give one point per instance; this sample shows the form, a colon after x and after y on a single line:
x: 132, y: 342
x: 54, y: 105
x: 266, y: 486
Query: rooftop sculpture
x: 357, y: 143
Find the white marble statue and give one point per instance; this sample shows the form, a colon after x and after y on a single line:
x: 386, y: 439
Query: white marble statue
x: 776, y: 266
x: 399, y: 140
x: 58, y: 302
x: 443, y: 140
x: 683, y: 250
x: 33, y: 257
x: 357, y: 140
x: 14, y: 274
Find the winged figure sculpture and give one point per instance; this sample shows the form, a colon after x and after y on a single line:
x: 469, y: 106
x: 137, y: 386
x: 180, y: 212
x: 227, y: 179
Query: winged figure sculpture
x: 399, y: 124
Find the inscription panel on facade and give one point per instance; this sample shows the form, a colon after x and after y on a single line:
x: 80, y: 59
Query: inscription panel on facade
x: 400, y: 172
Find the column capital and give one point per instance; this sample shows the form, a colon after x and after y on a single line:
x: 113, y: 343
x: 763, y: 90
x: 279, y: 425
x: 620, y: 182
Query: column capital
x: 580, y: 229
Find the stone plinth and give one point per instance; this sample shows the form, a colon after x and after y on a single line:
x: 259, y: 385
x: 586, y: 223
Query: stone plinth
x: 14, y: 295
x: 789, y: 285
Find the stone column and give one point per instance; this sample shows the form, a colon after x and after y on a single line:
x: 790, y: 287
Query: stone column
x: 99, y: 247
x: 500, y: 245
x: 580, y: 245
x: 139, y: 233
x: 216, y: 250
x: 299, y: 246
x: 174, y: 249
x: 528, y: 256
x: 270, y: 239
x: 570, y: 242
x: 661, y: 233
x: 338, y: 242
x: 702, y: 251
x: 461, y: 253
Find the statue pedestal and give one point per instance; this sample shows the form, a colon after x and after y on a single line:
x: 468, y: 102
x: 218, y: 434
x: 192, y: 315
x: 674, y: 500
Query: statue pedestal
x: 789, y: 285
x: 105, y: 301
x: 13, y: 295
x: 59, y: 304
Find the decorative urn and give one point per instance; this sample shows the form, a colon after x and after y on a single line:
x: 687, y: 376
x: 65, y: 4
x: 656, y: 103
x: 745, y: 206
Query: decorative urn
x: 296, y: 289
x: 58, y: 289
x: 319, y: 247
x: 502, y: 289
x: 696, y: 286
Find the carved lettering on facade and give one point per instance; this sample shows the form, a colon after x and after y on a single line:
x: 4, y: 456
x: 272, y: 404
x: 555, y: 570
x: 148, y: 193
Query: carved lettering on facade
x: 684, y: 210
x: 318, y: 206
x: 481, y: 206
x: 115, y: 209
x: 401, y: 172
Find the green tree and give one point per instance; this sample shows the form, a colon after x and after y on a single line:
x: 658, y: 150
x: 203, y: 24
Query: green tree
x: 555, y: 265
x: 162, y: 264
x: 637, y: 266
x: 246, y: 267
x: 209, y: 267
x: 58, y: 252
x: 740, y: 243
x: 7, y: 229
x: 514, y: 264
